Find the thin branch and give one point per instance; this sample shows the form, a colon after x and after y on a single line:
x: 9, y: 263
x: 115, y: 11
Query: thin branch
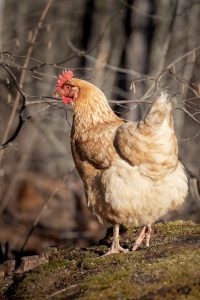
x: 81, y: 53
x: 189, y: 114
x: 20, y: 121
x: 189, y: 139
x: 129, y: 101
x: 40, y: 214
x: 182, y: 57
x: 168, y: 37
x: 164, y: 52
x: 64, y: 290
x: 22, y: 78
x: 140, y: 12
x: 107, y: 66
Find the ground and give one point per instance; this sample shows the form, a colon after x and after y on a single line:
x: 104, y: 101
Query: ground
x: 169, y: 269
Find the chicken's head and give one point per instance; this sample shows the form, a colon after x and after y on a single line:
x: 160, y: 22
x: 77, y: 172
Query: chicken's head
x: 65, y: 89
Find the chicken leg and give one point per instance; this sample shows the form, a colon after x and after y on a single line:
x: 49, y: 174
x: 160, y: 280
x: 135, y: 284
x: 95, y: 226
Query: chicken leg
x: 115, y: 247
x: 145, y: 233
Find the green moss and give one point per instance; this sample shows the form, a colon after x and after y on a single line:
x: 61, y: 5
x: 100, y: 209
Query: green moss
x: 55, y: 265
x: 42, y: 280
x: 136, y: 278
x: 170, y: 269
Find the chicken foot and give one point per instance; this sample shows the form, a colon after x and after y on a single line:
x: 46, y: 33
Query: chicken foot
x: 115, y: 247
x: 145, y: 233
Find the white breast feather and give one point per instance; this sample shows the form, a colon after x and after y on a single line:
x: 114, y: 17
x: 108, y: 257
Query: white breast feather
x: 138, y: 199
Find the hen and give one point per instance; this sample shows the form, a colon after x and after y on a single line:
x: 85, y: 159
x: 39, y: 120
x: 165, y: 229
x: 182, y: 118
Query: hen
x: 131, y: 172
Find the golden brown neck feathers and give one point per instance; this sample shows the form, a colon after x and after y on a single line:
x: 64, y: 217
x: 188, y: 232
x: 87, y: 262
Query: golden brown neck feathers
x: 92, y: 104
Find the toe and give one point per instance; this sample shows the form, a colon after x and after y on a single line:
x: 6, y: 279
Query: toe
x: 123, y: 250
x: 116, y: 250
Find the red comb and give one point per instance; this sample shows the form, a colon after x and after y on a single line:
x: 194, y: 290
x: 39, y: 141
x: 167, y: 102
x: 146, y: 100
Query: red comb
x: 65, y: 76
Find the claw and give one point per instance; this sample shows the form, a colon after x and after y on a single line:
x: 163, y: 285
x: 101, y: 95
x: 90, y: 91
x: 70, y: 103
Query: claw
x: 116, y: 248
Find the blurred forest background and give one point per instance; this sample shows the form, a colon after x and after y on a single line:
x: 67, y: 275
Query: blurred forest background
x: 128, y: 48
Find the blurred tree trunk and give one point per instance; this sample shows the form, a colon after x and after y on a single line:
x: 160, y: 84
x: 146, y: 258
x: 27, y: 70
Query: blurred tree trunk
x: 107, y: 35
x: 140, y: 32
x: 1, y: 23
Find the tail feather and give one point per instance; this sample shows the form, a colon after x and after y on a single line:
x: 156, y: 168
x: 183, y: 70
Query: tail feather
x: 160, y: 110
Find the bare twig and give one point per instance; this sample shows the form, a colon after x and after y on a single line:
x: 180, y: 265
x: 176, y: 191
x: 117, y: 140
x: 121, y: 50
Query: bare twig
x: 22, y: 78
x: 189, y: 139
x: 189, y: 114
x: 164, y: 52
x: 46, y: 100
x: 181, y: 57
x: 80, y: 53
x: 138, y: 11
x: 40, y: 214
x: 107, y: 66
x: 63, y: 290
x: 168, y: 38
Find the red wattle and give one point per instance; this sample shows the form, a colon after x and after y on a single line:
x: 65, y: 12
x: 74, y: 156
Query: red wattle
x: 66, y: 100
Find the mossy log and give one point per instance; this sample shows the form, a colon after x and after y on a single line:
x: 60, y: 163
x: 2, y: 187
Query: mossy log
x: 169, y: 269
